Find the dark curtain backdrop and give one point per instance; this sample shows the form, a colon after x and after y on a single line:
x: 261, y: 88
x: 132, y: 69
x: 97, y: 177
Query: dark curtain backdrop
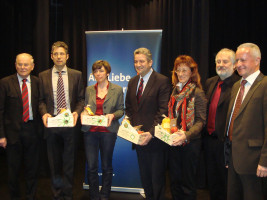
x: 199, y: 28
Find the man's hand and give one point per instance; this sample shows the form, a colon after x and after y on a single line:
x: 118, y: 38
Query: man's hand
x: 75, y: 118
x: 3, y: 142
x: 44, y: 118
x: 110, y: 118
x: 261, y: 171
x: 146, y: 136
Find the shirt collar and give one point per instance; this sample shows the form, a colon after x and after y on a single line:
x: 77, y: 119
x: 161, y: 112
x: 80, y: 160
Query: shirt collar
x: 20, y: 78
x: 146, y: 77
x: 252, y: 77
x: 64, y: 69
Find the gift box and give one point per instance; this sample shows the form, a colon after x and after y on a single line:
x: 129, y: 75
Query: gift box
x: 164, y: 135
x: 128, y: 132
x: 64, y: 119
x: 95, y: 120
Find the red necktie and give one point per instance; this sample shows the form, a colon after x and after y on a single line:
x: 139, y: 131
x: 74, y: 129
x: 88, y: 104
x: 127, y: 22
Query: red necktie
x: 236, y: 108
x: 61, y: 101
x: 213, y: 108
x: 140, y: 90
x: 25, y: 101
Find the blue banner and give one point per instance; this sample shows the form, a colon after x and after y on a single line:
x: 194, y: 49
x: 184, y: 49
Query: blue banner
x: 117, y: 48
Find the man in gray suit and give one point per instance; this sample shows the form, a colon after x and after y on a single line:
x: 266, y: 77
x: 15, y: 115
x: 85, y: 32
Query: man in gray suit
x: 61, y: 87
x: 246, y: 127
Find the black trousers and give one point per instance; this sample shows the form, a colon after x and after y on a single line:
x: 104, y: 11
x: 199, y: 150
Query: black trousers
x: 183, y: 163
x: 216, y: 170
x: 61, y: 153
x: 152, y: 166
x: 25, y: 150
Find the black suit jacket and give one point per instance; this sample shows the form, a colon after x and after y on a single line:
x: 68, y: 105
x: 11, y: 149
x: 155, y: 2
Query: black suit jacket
x: 153, y: 103
x: 223, y: 104
x: 11, y: 107
x: 249, y: 137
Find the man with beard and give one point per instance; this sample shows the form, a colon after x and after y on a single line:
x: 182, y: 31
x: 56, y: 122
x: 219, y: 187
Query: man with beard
x: 218, y: 89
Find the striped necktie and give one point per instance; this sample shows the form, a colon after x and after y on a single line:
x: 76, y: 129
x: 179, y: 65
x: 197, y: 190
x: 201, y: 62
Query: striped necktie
x: 140, y: 90
x: 61, y: 100
x: 25, y: 101
x: 236, y: 108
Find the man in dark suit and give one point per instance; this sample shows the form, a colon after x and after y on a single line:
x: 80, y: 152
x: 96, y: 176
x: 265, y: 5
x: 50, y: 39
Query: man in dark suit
x: 61, y: 141
x: 246, y: 127
x: 19, y: 125
x: 145, y: 106
x: 218, y: 90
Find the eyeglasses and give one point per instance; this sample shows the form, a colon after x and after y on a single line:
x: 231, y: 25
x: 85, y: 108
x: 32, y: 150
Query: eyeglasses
x: 183, y: 71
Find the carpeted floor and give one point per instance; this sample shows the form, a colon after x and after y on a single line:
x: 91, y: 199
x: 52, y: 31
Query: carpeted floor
x: 44, y: 191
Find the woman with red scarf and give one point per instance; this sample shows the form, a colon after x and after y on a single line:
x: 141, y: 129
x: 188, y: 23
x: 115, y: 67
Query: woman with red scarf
x: 187, y: 108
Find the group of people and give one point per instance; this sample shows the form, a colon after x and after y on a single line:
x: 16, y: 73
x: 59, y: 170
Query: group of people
x: 229, y: 116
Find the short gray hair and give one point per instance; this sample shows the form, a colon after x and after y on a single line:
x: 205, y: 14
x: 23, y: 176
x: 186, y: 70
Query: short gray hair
x: 230, y: 52
x: 25, y: 54
x: 254, y: 49
x: 145, y: 52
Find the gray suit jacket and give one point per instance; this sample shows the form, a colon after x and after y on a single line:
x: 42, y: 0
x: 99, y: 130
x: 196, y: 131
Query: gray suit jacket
x: 249, y: 137
x: 113, y: 104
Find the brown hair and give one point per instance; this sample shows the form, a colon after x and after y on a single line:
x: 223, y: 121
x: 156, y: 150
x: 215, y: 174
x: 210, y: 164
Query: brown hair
x: 101, y: 63
x: 60, y: 44
x: 188, y: 61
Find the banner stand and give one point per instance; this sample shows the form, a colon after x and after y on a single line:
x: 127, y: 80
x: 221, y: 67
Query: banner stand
x: 121, y: 189
x: 117, y: 48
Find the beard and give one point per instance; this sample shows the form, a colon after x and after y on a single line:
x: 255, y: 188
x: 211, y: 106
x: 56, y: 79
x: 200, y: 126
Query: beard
x: 223, y: 73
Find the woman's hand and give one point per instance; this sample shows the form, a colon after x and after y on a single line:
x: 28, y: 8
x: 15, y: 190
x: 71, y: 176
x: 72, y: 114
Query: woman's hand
x: 179, y: 139
x: 110, y: 118
x: 84, y: 112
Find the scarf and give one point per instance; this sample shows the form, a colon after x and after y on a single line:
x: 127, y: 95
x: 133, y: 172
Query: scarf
x: 185, y: 103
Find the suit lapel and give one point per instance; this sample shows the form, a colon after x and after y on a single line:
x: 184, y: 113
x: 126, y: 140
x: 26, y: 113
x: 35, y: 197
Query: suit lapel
x: 50, y: 87
x: 224, y: 96
x: 70, y: 82
x: 34, y: 94
x: 148, y: 88
x: 16, y: 85
x: 252, y: 89
x: 110, y: 92
x: 233, y: 97
x: 212, y: 88
x: 34, y: 89
x: 133, y: 95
